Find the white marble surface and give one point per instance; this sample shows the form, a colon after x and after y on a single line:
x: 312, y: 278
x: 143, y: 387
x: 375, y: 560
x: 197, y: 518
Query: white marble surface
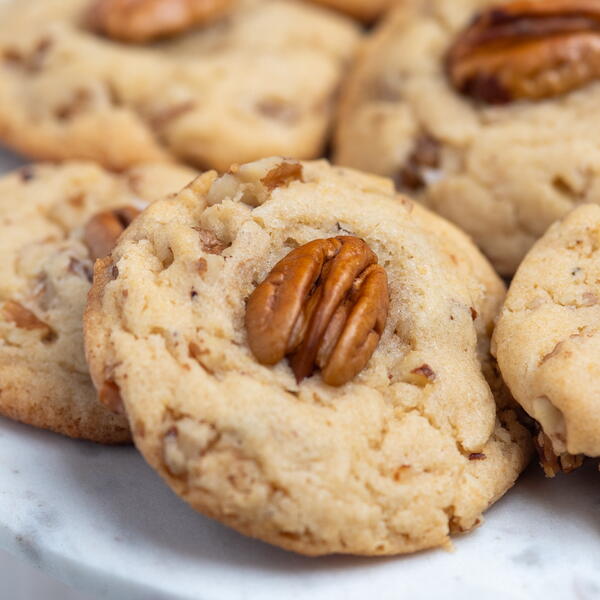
x: 21, y: 581
x: 102, y: 521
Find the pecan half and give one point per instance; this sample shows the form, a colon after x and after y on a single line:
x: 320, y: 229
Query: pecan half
x: 527, y: 49
x: 103, y: 230
x: 325, y: 305
x: 140, y: 21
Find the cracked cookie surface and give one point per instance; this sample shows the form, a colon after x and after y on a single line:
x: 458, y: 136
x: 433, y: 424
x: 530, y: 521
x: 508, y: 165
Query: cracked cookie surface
x: 261, y: 80
x: 45, y: 275
x: 548, y: 338
x: 408, y: 452
x: 503, y: 173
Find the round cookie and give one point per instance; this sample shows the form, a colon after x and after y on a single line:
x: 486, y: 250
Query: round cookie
x: 547, y: 339
x: 359, y: 9
x: 258, y: 81
x: 409, y: 451
x: 45, y: 275
x: 503, y: 173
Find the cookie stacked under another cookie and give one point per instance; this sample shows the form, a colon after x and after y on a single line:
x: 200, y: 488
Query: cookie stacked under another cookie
x: 53, y: 223
x: 412, y: 449
x: 261, y: 79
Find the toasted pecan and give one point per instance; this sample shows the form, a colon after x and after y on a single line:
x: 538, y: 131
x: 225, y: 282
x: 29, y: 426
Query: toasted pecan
x: 103, y: 230
x: 527, y: 49
x: 325, y: 305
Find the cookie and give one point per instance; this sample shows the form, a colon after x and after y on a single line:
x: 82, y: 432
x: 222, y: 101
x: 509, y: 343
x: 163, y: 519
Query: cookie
x: 359, y: 9
x: 499, y: 151
x: 547, y: 336
x: 259, y: 80
x: 407, y: 451
x: 47, y: 216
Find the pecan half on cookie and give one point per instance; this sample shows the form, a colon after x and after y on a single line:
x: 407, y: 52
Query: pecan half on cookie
x: 145, y: 20
x: 527, y: 49
x: 325, y: 304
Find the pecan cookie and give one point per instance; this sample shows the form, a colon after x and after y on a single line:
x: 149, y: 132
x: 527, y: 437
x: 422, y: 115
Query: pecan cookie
x: 359, y: 9
x: 548, y: 339
x: 305, y: 359
x: 54, y: 220
x: 485, y: 110
x: 208, y: 82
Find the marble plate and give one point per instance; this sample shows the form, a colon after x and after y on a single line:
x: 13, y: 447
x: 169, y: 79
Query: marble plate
x: 102, y: 521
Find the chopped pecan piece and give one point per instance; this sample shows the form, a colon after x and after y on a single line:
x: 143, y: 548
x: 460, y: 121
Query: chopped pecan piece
x: 282, y: 175
x: 422, y: 376
x: 210, y: 242
x: 141, y: 21
x: 477, y: 456
x: 80, y: 269
x: 31, y: 61
x: 325, y: 304
x: 552, y: 463
x: 426, y: 155
x: 110, y: 395
x: 103, y: 230
x: 528, y: 49
x: 23, y: 318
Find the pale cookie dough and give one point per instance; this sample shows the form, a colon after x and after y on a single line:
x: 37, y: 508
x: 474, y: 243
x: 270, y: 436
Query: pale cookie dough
x: 548, y: 336
x: 261, y: 80
x: 45, y: 275
x: 365, y: 10
x: 502, y: 173
x: 407, y: 453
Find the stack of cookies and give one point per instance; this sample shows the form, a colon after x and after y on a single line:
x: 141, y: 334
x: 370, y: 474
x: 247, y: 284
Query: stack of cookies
x: 322, y: 355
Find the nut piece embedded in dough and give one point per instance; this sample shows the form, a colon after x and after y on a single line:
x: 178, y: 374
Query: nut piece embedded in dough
x: 527, y: 49
x: 553, y: 463
x: 141, y: 21
x: 325, y: 304
x: 103, y: 230
x: 23, y: 318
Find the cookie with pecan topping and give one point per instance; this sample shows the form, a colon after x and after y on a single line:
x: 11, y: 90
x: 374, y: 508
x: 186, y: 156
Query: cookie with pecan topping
x: 206, y: 82
x: 547, y: 340
x: 486, y: 110
x: 306, y: 359
x: 54, y: 220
